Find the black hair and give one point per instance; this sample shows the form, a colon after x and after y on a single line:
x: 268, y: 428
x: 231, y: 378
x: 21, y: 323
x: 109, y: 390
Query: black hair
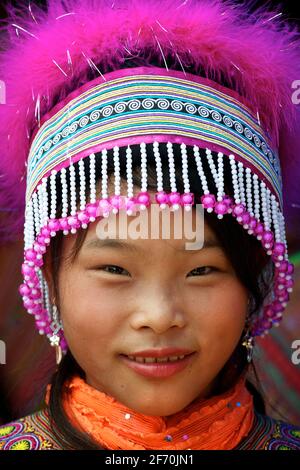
x: 252, y: 266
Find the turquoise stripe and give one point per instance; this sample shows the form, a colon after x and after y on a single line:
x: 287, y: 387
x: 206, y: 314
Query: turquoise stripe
x: 134, y: 126
x: 113, y: 102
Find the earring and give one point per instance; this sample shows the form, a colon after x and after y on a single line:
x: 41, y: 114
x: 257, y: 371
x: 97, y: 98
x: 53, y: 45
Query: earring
x: 55, y: 339
x: 248, y: 342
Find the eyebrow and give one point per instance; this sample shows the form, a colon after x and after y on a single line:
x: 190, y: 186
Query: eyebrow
x: 122, y: 245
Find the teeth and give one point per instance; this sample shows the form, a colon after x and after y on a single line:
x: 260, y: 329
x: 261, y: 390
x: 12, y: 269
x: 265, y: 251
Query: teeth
x: 155, y: 359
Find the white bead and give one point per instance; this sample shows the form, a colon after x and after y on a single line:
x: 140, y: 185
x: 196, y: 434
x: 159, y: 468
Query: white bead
x: 104, y: 173
x: 92, y: 178
x: 129, y: 172
x: 171, y: 167
x: 159, y: 174
x: 200, y: 170
x: 116, y: 170
x: 143, y: 167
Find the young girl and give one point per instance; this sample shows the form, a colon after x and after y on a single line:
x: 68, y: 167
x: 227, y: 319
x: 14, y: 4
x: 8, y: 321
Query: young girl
x: 154, y: 338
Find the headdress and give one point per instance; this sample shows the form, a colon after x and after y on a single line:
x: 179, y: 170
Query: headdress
x: 70, y: 96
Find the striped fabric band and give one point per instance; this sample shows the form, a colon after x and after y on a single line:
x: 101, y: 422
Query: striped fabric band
x: 140, y: 107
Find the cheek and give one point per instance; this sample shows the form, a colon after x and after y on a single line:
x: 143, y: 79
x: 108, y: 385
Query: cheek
x: 221, y: 317
x: 89, y: 314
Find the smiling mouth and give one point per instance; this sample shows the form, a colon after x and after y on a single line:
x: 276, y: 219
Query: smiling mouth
x: 157, y: 367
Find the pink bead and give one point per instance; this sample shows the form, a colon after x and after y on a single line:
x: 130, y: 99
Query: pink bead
x: 63, y: 343
x: 27, y: 270
x: 73, y: 222
x: 208, y: 201
x: 28, y: 304
x: 130, y: 203
x: 24, y: 290
x: 54, y: 225
x: 277, y: 306
x: 174, y: 198
x: 228, y: 201
x: 40, y: 324
x: 161, y: 197
x: 115, y: 201
x: 284, y: 296
x: 41, y: 240
x: 187, y: 198
x: 245, y: 218
x: 252, y: 223
x: 259, y: 229
x: 283, y: 266
x: 279, y: 249
x: 289, y: 283
x: 39, y: 262
x: 269, y: 312
x: 63, y: 222
x: 266, y: 324
x: 48, y: 330
x: 267, y: 239
x: 83, y: 218
x: 91, y: 210
x: 30, y: 255
x: 221, y: 208
x: 238, y: 209
x: 290, y: 269
x: 45, y: 232
x: 41, y: 249
x: 104, y: 205
x: 143, y: 198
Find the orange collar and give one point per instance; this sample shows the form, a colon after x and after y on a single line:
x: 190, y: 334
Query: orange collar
x: 216, y: 423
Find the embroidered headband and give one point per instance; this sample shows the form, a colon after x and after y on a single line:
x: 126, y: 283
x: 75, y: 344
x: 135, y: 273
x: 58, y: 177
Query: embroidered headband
x: 154, y: 106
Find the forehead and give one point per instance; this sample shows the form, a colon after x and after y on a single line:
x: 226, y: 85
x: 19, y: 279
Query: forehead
x: 119, y: 236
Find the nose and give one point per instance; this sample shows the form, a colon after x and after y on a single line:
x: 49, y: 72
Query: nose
x: 159, y: 309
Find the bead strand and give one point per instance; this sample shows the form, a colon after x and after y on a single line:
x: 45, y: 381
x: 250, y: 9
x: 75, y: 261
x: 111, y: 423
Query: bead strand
x: 82, y: 185
x: 129, y: 172
x: 64, y: 189
x: 275, y: 217
x: 236, y: 189
x: 212, y: 166
x: 53, y: 194
x: 200, y: 170
x: 104, y: 176
x: 36, y: 213
x: 143, y: 167
x: 220, y: 192
x: 264, y: 205
x: 256, y: 197
x: 92, y: 179
x: 72, y: 189
x: 249, y: 191
x: 241, y: 182
x: 185, y: 175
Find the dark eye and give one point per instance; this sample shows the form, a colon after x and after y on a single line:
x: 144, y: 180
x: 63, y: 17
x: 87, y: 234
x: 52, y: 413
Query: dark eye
x: 203, y: 270
x: 112, y: 269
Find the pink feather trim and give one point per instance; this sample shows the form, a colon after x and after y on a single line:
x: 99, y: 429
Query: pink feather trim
x: 48, y: 54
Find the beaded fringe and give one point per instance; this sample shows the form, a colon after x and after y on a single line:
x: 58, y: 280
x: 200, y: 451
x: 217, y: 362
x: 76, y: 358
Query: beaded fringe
x: 252, y: 203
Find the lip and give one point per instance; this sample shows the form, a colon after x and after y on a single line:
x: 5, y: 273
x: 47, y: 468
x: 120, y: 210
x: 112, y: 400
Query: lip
x: 158, y: 369
x: 161, y: 352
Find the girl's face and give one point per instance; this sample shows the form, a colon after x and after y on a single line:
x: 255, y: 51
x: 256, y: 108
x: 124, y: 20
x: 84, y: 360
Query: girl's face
x: 138, y: 294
